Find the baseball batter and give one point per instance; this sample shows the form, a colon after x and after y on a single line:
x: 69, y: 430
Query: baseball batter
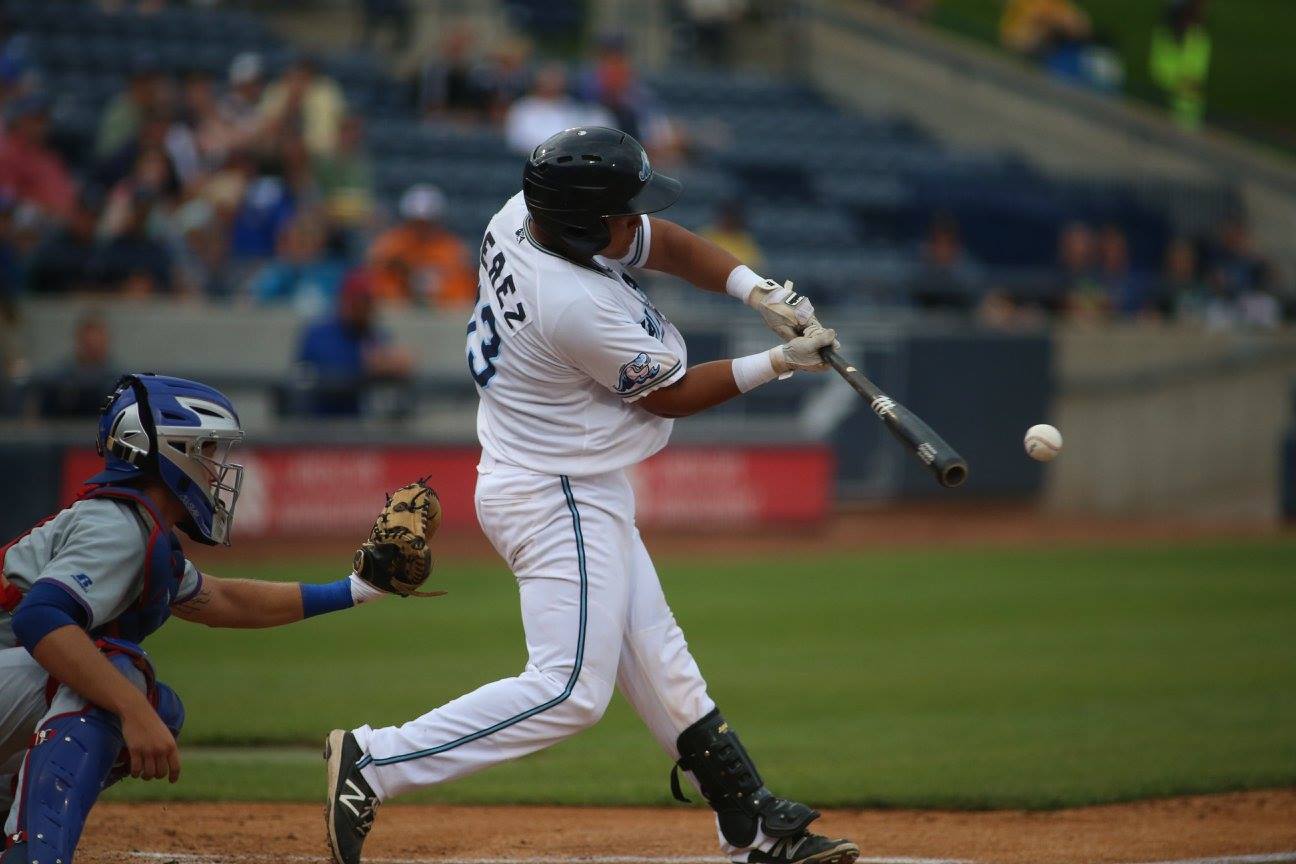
x: 80, y: 707
x: 579, y: 376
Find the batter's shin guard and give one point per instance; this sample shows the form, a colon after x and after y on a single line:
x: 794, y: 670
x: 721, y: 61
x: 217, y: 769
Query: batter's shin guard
x: 729, y: 781
x: 65, y: 771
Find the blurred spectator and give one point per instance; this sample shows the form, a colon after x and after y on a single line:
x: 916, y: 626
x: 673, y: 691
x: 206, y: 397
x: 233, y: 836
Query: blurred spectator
x: 29, y: 170
x: 11, y: 264
x: 201, y: 121
x: 132, y: 263
x: 1183, y: 292
x: 1258, y: 306
x: 1058, y: 35
x: 201, y: 250
x: 392, y: 15
x: 77, y: 387
x: 1037, y: 27
x: 15, y: 61
x: 729, y: 231
x: 122, y: 117
x: 152, y: 179
x: 61, y: 264
x: 1127, y: 294
x: 1234, y: 265
x: 239, y: 108
x: 419, y: 261
x: 344, y: 180
x: 266, y: 206
x: 507, y: 78
x: 948, y: 277
x: 156, y: 147
x: 450, y: 83
x: 613, y: 83
x: 303, y: 272
x: 548, y: 111
x: 305, y: 103
x: 1180, y: 60
x: 346, y: 351
x: 1241, y: 282
x: 1082, y: 294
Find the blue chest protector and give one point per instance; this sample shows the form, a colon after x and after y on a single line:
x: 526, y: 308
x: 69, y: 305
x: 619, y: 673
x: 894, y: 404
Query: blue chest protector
x: 164, y: 569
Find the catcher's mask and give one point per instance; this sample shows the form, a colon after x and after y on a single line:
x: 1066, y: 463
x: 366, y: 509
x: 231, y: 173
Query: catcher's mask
x: 181, y: 432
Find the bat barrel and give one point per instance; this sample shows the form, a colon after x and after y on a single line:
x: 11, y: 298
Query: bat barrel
x: 938, y: 457
x: 953, y: 474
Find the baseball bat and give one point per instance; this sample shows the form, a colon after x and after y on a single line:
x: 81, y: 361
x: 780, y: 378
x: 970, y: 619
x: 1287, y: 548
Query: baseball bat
x: 938, y: 457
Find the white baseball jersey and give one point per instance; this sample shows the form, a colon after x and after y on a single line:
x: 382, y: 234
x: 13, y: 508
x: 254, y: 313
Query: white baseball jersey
x: 560, y: 352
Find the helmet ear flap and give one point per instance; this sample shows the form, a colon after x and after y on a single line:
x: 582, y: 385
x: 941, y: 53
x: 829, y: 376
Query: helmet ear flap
x: 106, y: 444
x: 587, y: 241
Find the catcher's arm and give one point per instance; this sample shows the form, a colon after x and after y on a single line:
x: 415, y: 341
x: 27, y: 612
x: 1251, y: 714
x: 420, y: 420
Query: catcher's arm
x: 394, y: 560
x: 247, y: 604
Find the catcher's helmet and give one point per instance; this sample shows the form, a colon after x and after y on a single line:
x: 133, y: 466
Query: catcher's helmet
x: 580, y: 176
x: 180, y: 432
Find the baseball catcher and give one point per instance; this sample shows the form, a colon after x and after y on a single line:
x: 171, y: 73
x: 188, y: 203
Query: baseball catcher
x: 80, y: 704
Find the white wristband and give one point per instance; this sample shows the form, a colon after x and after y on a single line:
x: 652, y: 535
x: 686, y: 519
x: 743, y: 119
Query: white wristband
x: 754, y: 370
x: 742, y: 280
x: 362, y: 591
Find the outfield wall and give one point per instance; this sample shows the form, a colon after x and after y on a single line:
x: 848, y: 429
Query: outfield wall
x: 1171, y: 421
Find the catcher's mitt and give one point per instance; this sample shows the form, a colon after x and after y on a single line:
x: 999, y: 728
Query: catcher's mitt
x: 396, y: 557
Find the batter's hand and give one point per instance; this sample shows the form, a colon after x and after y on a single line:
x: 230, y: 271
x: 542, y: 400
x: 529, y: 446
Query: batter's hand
x: 802, y: 353
x: 786, y: 312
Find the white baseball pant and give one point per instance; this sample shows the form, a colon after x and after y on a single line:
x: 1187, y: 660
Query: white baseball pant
x: 594, y: 616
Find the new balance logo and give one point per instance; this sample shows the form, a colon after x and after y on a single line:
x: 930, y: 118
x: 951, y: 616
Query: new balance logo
x: 927, y: 453
x: 351, y: 800
x: 788, y: 846
x: 884, y: 407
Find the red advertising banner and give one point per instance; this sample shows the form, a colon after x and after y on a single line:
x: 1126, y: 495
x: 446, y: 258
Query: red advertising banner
x: 321, y: 491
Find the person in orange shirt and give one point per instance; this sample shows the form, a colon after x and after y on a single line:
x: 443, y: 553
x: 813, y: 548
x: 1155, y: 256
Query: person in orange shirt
x: 418, y: 261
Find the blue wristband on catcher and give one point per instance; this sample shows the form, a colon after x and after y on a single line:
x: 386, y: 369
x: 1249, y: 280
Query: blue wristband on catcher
x: 329, y: 597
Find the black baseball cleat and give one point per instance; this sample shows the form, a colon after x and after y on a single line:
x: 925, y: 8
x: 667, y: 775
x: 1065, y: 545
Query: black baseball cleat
x: 806, y: 848
x: 349, y: 808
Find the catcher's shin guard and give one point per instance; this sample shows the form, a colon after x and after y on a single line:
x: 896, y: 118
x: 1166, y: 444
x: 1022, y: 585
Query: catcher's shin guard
x: 711, y: 751
x: 67, y: 767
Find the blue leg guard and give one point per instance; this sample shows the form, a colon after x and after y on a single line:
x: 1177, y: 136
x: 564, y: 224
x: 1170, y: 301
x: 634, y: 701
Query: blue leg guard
x: 73, y: 758
x: 64, y: 774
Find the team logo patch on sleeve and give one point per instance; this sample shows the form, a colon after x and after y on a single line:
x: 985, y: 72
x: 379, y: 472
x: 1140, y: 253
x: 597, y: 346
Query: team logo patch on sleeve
x: 637, y: 373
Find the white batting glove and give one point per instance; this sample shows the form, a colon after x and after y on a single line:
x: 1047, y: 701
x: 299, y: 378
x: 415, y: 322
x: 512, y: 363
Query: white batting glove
x: 801, y: 353
x: 786, y: 312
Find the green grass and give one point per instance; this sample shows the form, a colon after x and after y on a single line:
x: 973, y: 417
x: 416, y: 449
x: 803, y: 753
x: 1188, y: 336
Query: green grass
x: 927, y: 678
x: 1252, y: 76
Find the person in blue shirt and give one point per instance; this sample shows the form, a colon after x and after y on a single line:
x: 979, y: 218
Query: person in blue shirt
x: 344, y: 352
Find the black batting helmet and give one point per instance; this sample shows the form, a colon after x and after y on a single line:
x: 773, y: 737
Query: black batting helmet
x: 580, y: 176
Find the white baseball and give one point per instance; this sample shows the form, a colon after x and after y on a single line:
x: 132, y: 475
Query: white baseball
x: 1043, y: 442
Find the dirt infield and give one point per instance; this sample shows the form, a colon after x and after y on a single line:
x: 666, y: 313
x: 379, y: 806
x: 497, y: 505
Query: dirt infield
x: 1219, y: 827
